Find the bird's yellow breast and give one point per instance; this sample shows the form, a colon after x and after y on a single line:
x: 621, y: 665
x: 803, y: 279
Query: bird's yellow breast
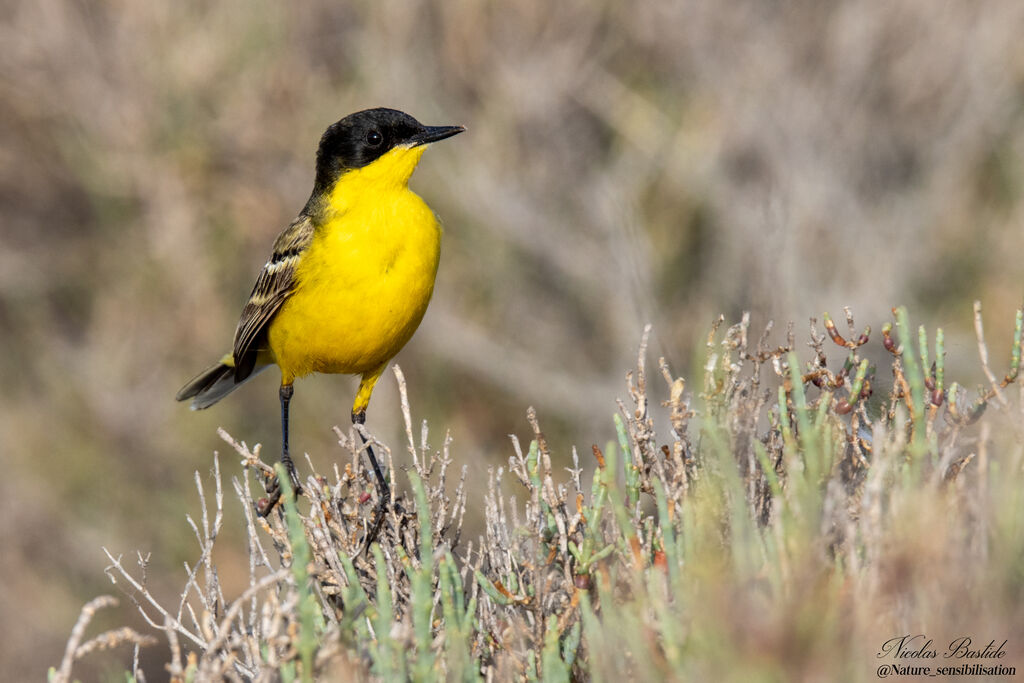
x: 364, y: 282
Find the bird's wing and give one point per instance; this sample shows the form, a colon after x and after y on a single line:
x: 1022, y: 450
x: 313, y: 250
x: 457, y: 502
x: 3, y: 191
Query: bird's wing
x: 274, y: 285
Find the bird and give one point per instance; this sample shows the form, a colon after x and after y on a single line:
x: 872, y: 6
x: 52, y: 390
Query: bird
x: 347, y: 282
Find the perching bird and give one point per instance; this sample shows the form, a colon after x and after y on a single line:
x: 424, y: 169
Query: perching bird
x: 349, y: 280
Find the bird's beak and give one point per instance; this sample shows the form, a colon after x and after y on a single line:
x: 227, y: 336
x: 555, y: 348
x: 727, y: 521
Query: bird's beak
x: 433, y: 134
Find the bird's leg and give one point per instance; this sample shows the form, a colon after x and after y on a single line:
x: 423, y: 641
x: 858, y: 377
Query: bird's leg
x: 286, y: 396
x: 382, y: 485
x: 274, y: 492
x: 383, y: 490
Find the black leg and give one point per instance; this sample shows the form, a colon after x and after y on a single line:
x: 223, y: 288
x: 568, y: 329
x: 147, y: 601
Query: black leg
x: 383, y: 490
x: 274, y: 492
x: 286, y: 396
x: 382, y: 484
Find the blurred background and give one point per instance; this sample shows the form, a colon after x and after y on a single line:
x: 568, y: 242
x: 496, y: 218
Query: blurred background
x: 625, y: 163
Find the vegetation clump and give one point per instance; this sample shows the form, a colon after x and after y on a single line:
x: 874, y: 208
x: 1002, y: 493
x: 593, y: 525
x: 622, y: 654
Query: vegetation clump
x: 782, y: 521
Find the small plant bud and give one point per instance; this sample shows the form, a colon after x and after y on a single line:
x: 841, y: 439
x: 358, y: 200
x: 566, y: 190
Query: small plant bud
x: 660, y: 560
x: 263, y: 507
x: 833, y: 333
x: 887, y: 341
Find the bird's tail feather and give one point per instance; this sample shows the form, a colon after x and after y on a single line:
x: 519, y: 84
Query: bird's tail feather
x: 213, y: 384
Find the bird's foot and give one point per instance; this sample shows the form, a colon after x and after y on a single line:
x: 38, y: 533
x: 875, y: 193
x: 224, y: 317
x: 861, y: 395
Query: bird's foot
x: 264, y: 506
x: 379, y: 515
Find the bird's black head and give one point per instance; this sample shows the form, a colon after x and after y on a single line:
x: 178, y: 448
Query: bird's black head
x: 360, y: 139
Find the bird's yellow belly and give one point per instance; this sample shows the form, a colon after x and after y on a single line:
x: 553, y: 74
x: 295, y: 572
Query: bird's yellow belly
x: 361, y: 292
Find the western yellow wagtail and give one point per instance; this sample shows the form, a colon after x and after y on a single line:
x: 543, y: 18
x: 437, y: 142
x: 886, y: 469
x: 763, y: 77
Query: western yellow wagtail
x: 348, y: 281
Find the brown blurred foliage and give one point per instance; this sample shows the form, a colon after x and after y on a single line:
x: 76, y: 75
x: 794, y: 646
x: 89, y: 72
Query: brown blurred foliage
x: 626, y: 162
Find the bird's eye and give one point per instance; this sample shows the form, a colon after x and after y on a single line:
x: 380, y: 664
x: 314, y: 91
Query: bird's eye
x: 374, y: 138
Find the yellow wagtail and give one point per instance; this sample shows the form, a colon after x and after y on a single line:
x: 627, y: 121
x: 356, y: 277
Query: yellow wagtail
x: 349, y: 280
